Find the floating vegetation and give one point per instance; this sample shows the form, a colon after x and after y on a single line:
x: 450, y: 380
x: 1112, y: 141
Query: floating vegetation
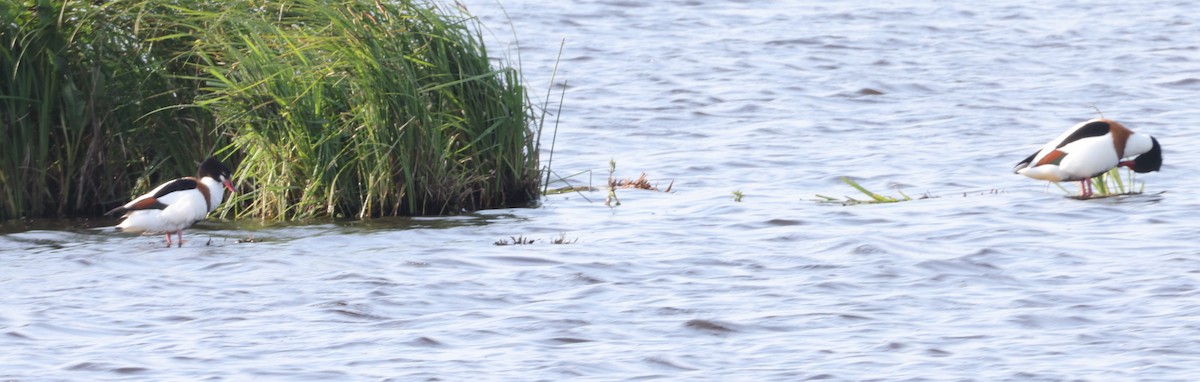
x: 568, y: 189
x: 612, y: 189
x: 737, y: 196
x: 641, y: 183
x: 873, y: 197
x: 516, y: 240
x: 993, y: 191
x: 562, y: 239
x: 522, y: 240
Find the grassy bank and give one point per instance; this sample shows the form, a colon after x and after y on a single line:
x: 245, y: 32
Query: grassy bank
x: 327, y: 108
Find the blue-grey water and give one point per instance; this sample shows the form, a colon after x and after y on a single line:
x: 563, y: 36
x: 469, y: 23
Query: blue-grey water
x: 997, y: 277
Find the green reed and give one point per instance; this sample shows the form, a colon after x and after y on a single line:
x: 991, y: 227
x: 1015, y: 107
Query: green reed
x: 364, y: 108
x: 328, y: 108
x: 78, y: 95
x: 1111, y: 184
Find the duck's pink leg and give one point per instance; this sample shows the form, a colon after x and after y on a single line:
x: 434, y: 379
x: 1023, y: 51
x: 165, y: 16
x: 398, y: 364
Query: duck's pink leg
x: 1085, y: 188
x: 168, y: 240
x: 180, y: 233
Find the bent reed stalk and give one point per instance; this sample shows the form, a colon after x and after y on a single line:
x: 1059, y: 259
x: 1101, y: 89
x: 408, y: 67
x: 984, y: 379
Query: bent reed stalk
x: 327, y: 108
x: 875, y: 198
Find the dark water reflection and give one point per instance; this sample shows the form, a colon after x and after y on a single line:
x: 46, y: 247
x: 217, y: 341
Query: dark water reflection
x: 995, y: 278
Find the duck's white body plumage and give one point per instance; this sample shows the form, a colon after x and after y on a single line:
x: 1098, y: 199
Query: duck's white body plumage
x: 183, y: 208
x: 1089, y: 149
x: 177, y: 204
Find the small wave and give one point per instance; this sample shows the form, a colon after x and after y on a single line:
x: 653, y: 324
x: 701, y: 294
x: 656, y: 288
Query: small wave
x: 17, y: 335
x: 356, y: 311
x: 794, y: 41
x: 1043, y: 321
x: 785, y: 222
x: 1186, y: 83
x: 958, y: 265
x: 568, y: 340
x: 586, y: 279
x: 709, y: 326
x: 425, y: 342
x: 524, y: 260
x: 666, y: 363
x: 97, y: 366
x: 864, y: 92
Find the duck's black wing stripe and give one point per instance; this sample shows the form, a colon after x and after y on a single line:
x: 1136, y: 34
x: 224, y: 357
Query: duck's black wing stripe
x: 140, y: 204
x: 1025, y: 163
x: 181, y: 184
x: 1094, y: 129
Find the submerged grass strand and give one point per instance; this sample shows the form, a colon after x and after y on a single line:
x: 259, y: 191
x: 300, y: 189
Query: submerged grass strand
x: 874, y: 198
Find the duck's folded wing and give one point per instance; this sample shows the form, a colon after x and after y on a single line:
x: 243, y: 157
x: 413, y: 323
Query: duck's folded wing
x: 151, y: 200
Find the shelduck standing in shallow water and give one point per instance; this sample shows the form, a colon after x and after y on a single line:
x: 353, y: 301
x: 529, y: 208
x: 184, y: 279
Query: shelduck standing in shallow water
x: 175, y: 205
x: 1089, y: 149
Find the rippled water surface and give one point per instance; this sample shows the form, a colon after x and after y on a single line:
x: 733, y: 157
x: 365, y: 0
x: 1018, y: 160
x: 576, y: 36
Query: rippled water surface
x: 997, y: 277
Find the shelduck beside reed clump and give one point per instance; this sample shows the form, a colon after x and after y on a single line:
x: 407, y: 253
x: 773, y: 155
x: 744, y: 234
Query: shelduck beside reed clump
x: 353, y: 108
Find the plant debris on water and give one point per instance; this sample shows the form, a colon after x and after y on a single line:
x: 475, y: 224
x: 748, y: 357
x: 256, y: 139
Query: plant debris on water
x: 567, y: 189
x: 516, y: 240
x: 874, y: 198
x: 1107, y: 185
x: 562, y: 239
x: 522, y: 240
x: 640, y: 183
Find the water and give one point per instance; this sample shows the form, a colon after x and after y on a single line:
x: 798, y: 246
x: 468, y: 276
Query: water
x: 997, y: 277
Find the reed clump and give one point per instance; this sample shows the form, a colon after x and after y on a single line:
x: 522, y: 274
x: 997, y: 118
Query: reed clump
x: 367, y: 108
x: 328, y: 108
x: 90, y: 109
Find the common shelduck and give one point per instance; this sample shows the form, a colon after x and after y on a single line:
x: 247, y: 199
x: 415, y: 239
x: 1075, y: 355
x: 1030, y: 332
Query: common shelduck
x: 1089, y: 149
x: 175, y: 205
